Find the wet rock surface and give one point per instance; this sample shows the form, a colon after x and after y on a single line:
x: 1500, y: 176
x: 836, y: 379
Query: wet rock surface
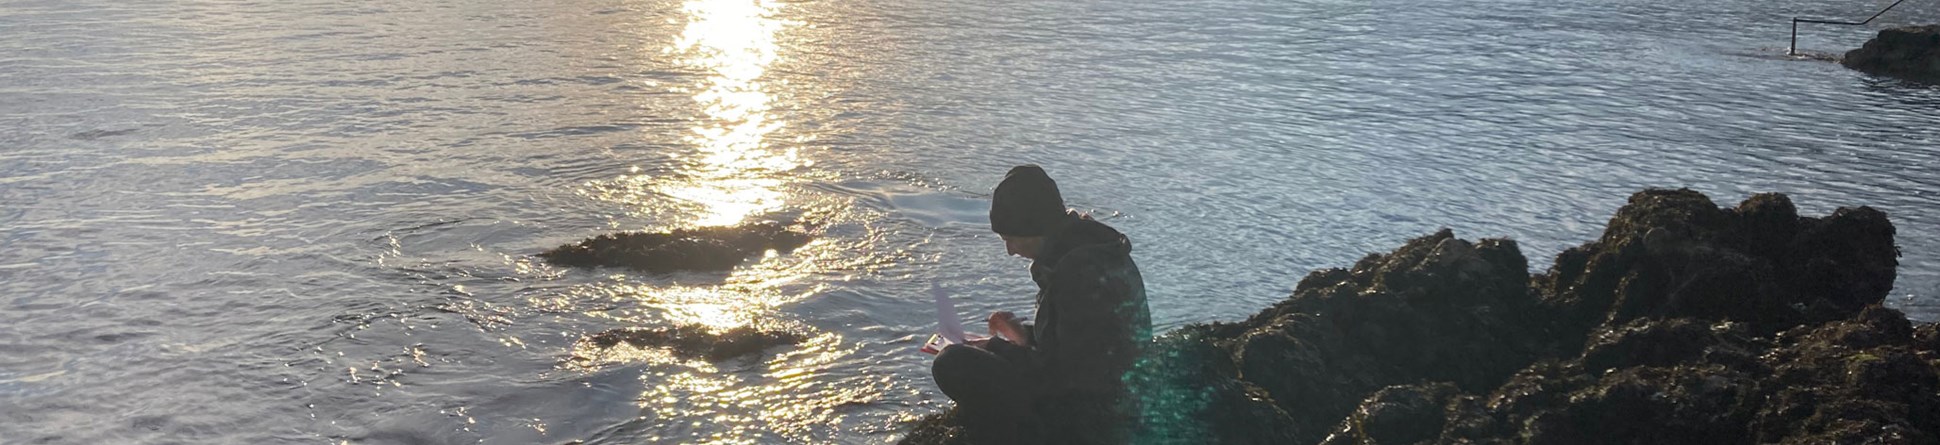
x: 690, y: 341
x: 704, y: 248
x: 1683, y: 323
x: 1911, y: 52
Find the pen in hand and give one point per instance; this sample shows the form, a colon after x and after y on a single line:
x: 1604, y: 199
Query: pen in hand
x: 1009, y: 326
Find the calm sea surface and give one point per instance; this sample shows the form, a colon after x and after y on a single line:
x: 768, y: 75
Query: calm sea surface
x: 313, y: 221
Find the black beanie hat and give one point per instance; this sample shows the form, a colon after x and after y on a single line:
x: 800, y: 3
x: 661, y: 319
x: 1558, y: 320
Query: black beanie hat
x: 1026, y: 203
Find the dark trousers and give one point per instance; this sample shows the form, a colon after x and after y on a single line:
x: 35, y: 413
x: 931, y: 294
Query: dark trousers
x: 993, y: 395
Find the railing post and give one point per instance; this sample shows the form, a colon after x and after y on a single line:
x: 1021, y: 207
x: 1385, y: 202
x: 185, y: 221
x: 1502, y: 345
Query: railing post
x: 1794, y: 49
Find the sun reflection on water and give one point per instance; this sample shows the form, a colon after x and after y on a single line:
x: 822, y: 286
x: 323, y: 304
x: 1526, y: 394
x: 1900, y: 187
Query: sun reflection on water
x: 738, y: 408
x: 736, y: 172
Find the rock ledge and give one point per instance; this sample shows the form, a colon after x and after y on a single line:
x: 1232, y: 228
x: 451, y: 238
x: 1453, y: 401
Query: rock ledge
x: 1911, y: 53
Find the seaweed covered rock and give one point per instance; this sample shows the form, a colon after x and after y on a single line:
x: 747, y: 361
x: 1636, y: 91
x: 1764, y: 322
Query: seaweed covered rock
x: 1437, y: 309
x: 704, y: 248
x: 1396, y: 415
x: 692, y: 341
x: 1672, y: 253
x: 1188, y: 390
x: 1683, y: 323
x: 1860, y: 380
x: 1863, y: 380
x: 1648, y: 342
x: 1674, y: 381
x: 1911, y: 52
x: 937, y: 429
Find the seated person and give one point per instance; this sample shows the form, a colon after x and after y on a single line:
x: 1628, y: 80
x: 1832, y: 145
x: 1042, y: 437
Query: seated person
x: 1091, y: 322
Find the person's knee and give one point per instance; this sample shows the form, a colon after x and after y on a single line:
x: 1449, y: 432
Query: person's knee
x: 952, y: 366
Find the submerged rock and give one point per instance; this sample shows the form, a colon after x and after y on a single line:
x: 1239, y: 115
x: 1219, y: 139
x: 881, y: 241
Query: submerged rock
x: 1911, y: 52
x: 692, y: 341
x: 1683, y: 323
x: 704, y: 248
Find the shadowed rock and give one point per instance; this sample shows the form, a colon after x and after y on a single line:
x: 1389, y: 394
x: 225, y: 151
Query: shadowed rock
x: 1860, y: 380
x: 1190, y: 391
x: 1683, y: 323
x: 1673, y: 253
x: 1397, y: 415
x: 704, y: 248
x: 695, y: 341
x: 937, y: 429
x: 1911, y: 53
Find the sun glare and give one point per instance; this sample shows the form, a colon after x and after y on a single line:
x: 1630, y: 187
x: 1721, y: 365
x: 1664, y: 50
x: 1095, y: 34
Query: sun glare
x: 734, y: 175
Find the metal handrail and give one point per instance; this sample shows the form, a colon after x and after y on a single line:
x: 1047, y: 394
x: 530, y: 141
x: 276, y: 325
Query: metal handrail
x: 1794, y: 49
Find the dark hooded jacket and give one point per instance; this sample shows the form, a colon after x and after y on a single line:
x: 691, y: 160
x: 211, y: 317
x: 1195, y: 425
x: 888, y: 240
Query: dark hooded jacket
x: 1091, y: 322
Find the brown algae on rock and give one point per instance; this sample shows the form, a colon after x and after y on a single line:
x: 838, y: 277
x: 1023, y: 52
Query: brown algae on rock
x: 703, y: 248
x: 685, y: 341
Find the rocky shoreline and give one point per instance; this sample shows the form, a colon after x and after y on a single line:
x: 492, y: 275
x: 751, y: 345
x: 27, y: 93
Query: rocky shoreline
x: 1683, y: 323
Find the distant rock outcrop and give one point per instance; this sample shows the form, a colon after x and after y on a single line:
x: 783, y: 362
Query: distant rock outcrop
x: 1911, y: 52
x: 1683, y: 323
x: 705, y: 248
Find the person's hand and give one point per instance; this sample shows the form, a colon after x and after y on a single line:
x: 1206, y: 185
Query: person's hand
x: 1006, y: 325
